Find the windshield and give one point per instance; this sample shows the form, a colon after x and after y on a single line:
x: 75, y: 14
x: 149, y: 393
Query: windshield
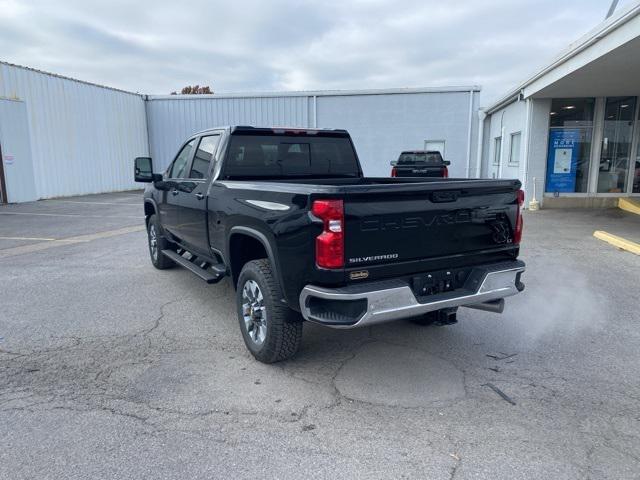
x: 290, y: 156
x: 429, y: 158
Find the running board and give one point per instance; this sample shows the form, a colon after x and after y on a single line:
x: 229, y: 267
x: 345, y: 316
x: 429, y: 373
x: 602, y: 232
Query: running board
x: 201, y: 269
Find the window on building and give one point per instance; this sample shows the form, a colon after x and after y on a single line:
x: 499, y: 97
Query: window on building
x: 572, y: 112
x: 204, y: 156
x: 569, y: 150
x: 514, y: 149
x: 497, y: 150
x: 615, y: 150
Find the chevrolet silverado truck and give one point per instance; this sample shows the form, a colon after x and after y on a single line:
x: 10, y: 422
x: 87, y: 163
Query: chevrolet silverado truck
x: 303, y: 235
x: 420, y: 163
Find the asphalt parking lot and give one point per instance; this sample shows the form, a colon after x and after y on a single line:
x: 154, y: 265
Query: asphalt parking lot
x: 110, y: 368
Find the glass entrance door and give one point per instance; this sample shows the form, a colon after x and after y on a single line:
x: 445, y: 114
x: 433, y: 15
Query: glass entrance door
x: 616, y: 144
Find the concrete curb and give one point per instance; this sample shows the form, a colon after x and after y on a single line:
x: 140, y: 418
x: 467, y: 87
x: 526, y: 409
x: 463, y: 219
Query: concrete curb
x: 619, y: 242
x: 629, y: 205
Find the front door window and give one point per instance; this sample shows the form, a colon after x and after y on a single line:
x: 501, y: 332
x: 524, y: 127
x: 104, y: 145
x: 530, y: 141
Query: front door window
x: 179, y: 166
x: 616, y: 144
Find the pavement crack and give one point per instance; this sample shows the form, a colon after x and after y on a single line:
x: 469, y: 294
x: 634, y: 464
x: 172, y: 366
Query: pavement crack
x: 157, y: 321
x: 456, y: 465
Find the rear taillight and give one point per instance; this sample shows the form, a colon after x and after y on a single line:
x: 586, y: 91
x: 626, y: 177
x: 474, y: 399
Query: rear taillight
x: 445, y: 172
x: 330, y: 243
x: 517, y: 234
x: 394, y: 172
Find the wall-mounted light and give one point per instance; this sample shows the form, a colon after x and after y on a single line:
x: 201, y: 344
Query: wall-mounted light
x: 569, y: 107
x: 553, y: 113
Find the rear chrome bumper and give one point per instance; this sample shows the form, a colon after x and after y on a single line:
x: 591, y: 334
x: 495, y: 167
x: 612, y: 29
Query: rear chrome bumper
x: 366, y: 304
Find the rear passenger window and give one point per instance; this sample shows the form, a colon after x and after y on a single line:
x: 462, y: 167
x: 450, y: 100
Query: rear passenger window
x: 204, y: 156
x: 290, y: 156
x: 179, y: 167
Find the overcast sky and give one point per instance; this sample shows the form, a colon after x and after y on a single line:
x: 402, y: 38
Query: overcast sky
x: 156, y: 47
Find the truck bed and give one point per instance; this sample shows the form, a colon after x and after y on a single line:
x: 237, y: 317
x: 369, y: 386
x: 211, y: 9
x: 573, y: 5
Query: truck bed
x: 401, y: 226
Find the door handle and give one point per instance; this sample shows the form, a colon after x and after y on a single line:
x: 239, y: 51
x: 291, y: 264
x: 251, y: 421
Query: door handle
x: 174, y: 191
x: 199, y: 196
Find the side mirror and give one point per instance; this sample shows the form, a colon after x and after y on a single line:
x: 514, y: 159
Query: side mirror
x: 446, y: 162
x: 143, y: 170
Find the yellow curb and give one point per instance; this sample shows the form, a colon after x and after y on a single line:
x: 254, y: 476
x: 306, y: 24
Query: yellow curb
x: 618, y: 242
x: 629, y: 205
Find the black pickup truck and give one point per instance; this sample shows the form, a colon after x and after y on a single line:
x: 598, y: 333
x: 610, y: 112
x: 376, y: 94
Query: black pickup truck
x: 288, y: 215
x: 420, y: 163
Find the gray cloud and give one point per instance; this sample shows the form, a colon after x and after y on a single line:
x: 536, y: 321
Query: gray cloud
x: 156, y: 47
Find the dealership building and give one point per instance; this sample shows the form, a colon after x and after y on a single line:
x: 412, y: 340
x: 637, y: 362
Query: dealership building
x: 574, y: 125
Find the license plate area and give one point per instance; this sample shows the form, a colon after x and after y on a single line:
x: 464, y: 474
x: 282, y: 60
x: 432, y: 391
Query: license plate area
x: 441, y: 281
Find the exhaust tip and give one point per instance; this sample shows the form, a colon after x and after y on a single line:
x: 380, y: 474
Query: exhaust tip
x: 494, y: 306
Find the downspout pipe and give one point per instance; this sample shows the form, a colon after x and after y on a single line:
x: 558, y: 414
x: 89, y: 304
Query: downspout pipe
x: 315, y: 111
x: 502, y: 144
x: 481, y: 117
x: 469, y: 132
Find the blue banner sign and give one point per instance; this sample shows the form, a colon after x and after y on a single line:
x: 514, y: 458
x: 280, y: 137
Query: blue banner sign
x: 562, y: 159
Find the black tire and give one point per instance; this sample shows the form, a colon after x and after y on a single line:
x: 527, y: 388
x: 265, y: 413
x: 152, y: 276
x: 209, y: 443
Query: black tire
x: 271, y: 330
x: 161, y: 243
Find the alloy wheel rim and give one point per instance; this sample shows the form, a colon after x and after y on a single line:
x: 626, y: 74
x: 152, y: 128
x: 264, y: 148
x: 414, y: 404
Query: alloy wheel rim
x: 153, y: 241
x: 254, y: 312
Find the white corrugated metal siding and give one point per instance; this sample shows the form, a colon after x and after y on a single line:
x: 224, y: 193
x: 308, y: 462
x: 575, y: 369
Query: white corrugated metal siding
x: 381, y: 122
x: 83, y: 136
x: 173, y: 119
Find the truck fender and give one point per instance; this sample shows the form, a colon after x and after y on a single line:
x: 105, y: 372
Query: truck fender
x: 153, y: 204
x: 262, y: 238
x: 150, y: 202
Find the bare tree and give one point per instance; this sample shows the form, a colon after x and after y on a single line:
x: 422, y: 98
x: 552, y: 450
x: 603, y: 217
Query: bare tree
x: 194, y: 90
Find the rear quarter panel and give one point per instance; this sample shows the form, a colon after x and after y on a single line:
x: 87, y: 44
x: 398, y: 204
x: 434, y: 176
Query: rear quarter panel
x: 281, y: 214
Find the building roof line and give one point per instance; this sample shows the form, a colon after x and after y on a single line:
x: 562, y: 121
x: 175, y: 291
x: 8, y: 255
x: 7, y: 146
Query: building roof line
x: 43, y: 72
x: 267, y: 94
x: 320, y: 93
x: 584, y: 42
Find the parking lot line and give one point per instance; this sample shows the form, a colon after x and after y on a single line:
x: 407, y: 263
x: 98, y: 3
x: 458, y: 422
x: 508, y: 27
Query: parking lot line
x: 617, y: 241
x: 70, y: 215
x: 96, y: 203
x: 36, y: 247
x: 39, y: 239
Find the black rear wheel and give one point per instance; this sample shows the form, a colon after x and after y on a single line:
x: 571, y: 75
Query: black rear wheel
x: 271, y: 330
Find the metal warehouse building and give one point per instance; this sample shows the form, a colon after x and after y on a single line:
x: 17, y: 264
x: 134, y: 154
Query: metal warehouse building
x: 381, y: 122
x: 575, y: 124
x: 61, y: 136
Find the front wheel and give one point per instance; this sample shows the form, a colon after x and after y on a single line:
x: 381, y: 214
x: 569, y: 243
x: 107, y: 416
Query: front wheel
x: 157, y: 243
x: 271, y: 331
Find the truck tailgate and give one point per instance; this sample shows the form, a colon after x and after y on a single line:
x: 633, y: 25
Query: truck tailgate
x: 413, y: 228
